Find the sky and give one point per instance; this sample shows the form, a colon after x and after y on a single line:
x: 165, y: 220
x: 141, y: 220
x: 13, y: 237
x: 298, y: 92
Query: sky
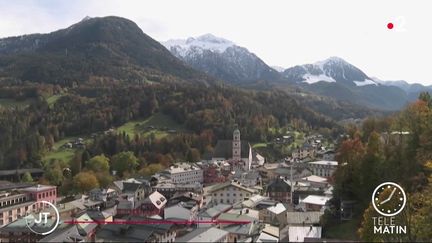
x: 281, y: 32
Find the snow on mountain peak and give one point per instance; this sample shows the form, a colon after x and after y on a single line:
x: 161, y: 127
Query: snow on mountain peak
x: 203, y: 42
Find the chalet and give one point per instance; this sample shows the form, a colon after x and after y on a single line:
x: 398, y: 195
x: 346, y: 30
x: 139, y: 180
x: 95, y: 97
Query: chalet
x: 279, y: 190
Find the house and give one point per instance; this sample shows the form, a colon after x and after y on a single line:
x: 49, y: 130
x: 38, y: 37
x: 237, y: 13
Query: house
x: 182, y: 210
x: 303, y: 218
x: 314, y: 203
x: 123, y: 232
x: 279, y: 190
x: 211, y: 234
x: 323, y: 168
x: 274, y: 215
x: 306, y: 151
x: 299, y: 233
x: 249, y: 178
x: 186, y: 197
x: 241, y: 227
x: 133, y: 191
x: 316, y: 181
x: 266, y: 237
x: 210, y: 214
x: 107, y: 196
x: 230, y: 192
x: 153, y: 204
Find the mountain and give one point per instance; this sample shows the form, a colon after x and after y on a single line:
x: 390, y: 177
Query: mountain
x: 93, y: 49
x: 333, y: 69
x: 223, y: 59
x: 335, y: 77
x: 412, y: 89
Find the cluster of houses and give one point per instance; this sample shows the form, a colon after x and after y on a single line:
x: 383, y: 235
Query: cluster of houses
x: 312, y: 148
x: 75, y: 143
x: 232, y: 196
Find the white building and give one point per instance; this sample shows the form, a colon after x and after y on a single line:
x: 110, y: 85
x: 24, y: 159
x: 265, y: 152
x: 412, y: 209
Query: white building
x: 212, y: 234
x: 230, y: 193
x: 299, y: 233
x: 323, y: 167
x: 185, y: 173
x: 314, y: 203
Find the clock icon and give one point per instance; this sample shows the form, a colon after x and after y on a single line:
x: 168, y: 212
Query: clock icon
x: 388, y: 199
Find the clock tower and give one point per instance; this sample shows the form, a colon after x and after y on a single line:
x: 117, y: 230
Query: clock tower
x: 236, y: 145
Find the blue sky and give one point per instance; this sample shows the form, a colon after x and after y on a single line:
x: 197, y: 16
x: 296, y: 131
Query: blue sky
x: 281, y: 32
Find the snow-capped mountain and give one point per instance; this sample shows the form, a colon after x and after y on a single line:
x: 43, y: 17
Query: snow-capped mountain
x: 333, y: 69
x: 222, y: 58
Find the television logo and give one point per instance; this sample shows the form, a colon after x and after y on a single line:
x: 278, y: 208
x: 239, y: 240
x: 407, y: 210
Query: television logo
x: 45, y: 220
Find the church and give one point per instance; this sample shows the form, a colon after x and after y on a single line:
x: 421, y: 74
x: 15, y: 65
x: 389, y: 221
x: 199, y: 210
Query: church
x: 237, y: 152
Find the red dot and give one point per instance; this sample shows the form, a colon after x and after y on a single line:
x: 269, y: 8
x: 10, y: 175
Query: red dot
x: 390, y: 26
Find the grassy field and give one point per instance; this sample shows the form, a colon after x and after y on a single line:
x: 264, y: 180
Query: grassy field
x: 345, y: 230
x: 60, y: 154
x: 10, y: 103
x: 53, y: 99
x: 159, y: 122
x: 64, y: 154
x: 259, y: 145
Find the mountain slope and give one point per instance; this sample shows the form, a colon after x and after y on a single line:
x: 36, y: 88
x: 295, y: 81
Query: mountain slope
x: 93, y: 48
x: 223, y: 59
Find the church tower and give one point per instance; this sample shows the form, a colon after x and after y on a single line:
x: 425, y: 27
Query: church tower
x: 236, y: 145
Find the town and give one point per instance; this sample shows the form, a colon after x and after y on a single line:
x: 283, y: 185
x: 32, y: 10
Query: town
x: 233, y: 195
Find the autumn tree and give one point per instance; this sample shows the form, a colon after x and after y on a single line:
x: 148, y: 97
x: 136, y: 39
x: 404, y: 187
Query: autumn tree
x: 99, y: 163
x: 85, y: 181
x: 124, y: 162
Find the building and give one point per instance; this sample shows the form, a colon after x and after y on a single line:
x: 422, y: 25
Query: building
x: 230, y: 192
x: 183, y: 211
x: 248, y: 231
x: 303, y: 218
x: 14, y: 205
x: 314, y: 203
x: 315, y: 181
x: 185, y: 173
x: 154, y: 232
x: 306, y: 151
x: 210, y: 234
x: 41, y: 193
x: 323, y: 168
x: 299, y: 233
x: 250, y: 178
x: 236, y: 150
x: 279, y: 190
x: 274, y: 215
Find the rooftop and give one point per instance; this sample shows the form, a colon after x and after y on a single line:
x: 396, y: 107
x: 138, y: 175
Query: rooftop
x: 297, y: 234
x: 211, y: 234
x: 303, y: 217
x: 38, y: 188
x: 316, y: 200
x: 314, y: 178
x: 324, y: 162
x: 277, y: 209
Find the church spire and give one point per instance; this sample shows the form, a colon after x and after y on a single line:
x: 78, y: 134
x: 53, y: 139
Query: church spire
x: 236, y: 144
